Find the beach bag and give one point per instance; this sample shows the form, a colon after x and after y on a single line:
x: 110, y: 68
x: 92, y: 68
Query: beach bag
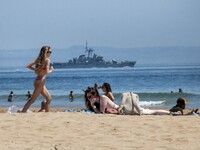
x: 130, y: 104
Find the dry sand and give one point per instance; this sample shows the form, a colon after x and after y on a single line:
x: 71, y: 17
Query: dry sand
x: 74, y: 131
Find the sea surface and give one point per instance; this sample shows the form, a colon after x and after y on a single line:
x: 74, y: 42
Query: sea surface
x: 157, y: 86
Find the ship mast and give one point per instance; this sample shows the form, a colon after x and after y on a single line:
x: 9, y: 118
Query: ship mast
x: 88, y: 51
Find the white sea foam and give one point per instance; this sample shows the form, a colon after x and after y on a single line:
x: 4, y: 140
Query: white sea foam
x: 151, y: 103
x: 13, y: 70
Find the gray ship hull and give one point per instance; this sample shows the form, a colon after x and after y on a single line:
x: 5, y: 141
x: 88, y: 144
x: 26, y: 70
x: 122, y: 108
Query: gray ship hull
x: 85, y: 65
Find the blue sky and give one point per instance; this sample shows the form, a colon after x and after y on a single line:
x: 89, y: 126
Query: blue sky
x: 28, y: 24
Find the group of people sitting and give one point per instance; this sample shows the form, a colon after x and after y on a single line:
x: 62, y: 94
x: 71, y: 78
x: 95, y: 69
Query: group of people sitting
x: 105, y: 103
x: 100, y: 103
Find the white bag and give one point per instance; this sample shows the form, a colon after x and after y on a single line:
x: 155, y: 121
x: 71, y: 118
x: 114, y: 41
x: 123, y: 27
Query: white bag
x: 130, y: 104
x: 14, y: 109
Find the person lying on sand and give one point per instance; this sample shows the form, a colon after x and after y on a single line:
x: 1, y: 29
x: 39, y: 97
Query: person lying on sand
x: 180, y: 105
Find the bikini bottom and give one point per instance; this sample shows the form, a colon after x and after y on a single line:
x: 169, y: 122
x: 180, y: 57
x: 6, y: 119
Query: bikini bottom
x: 38, y: 78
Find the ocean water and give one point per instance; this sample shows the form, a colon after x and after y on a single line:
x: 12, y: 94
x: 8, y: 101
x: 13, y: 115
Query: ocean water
x: 156, y: 86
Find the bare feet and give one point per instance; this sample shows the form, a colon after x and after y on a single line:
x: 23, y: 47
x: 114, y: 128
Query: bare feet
x: 42, y: 110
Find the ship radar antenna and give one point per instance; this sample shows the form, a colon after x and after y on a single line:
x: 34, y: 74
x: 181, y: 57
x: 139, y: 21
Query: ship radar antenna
x: 88, y: 51
x: 86, y: 48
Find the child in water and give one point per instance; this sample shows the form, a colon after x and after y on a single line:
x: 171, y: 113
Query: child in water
x: 71, y: 96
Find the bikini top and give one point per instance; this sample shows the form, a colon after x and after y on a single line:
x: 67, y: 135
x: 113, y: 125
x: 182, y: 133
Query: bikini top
x: 44, y: 68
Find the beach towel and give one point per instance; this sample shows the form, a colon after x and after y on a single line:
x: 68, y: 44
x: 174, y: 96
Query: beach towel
x: 82, y: 111
x: 130, y: 104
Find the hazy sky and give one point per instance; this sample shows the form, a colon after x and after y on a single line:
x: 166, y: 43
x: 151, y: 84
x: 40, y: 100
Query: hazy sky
x: 114, y: 23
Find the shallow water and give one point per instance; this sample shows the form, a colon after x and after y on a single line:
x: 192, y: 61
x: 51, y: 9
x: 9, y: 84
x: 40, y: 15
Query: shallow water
x: 153, y: 84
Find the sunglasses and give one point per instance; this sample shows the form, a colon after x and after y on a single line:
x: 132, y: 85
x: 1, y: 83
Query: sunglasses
x: 89, y: 97
x: 92, y: 94
x: 49, y: 52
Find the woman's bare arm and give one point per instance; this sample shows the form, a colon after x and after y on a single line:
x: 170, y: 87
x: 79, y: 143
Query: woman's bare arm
x: 48, y: 68
x: 94, y: 107
x: 110, y: 95
x: 30, y: 66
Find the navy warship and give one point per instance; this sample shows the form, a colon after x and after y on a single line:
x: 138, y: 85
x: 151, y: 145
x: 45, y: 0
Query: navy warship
x: 92, y: 60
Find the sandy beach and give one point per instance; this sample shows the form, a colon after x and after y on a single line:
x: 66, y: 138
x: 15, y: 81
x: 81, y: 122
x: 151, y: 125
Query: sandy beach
x: 63, y: 131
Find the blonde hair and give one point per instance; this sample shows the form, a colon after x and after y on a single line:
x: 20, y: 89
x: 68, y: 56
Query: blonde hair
x: 40, y: 60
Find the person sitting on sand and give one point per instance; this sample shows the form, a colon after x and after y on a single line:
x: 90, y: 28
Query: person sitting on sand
x: 106, y: 88
x: 99, y: 103
x: 180, y: 105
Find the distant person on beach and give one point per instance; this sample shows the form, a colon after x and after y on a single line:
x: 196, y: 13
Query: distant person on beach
x: 41, y: 67
x: 180, y: 90
x: 96, y: 86
x: 71, y: 96
x: 10, y: 97
x: 180, y: 105
x: 28, y: 95
x: 106, y: 88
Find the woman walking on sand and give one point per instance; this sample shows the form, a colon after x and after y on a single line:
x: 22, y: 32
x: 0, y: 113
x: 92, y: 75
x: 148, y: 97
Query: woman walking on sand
x: 41, y: 67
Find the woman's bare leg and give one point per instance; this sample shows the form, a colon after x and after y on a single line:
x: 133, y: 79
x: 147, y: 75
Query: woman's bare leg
x: 154, y: 112
x: 111, y: 104
x: 103, y: 105
x: 106, y: 103
x: 162, y: 112
x: 47, y: 96
x: 35, y: 95
x: 38, y: 88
